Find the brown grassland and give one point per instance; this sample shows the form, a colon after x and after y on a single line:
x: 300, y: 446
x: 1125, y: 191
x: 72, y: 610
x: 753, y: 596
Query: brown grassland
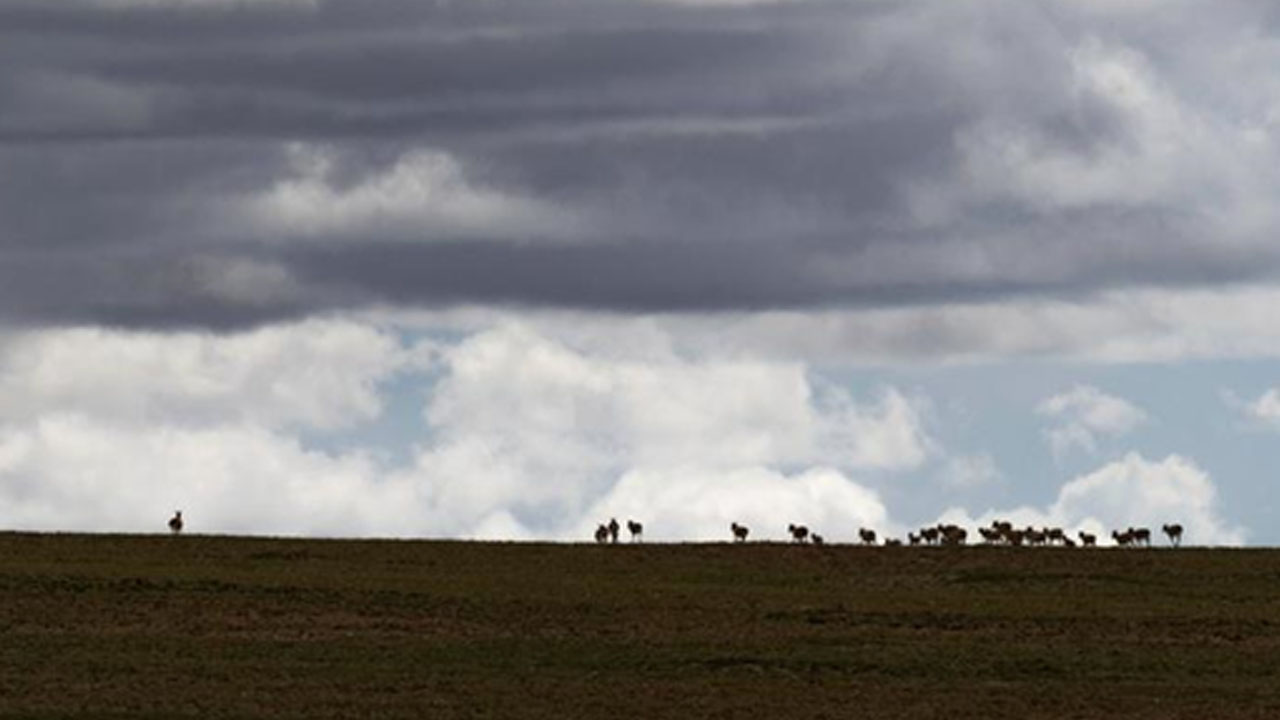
x: 152, y: 626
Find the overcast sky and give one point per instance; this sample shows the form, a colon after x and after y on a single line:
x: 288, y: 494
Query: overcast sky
x: 507, y: 268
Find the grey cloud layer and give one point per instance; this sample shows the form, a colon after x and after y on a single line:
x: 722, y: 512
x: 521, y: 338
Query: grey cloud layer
x: 220, y: 164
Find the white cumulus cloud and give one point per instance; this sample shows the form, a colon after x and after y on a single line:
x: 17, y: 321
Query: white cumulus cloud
x: 530, y: 426
x: 519, y: 388
x: 1130, y: 492
x: 524, y: 435
x: 321, y: 374
x: 684, y: 504
x: 81, y: 473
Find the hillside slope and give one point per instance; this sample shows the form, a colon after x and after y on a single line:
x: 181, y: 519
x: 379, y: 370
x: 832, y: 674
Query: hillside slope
x: 246, y: 627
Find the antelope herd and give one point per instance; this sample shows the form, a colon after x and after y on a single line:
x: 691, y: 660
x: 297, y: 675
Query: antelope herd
x: 1000, y: 532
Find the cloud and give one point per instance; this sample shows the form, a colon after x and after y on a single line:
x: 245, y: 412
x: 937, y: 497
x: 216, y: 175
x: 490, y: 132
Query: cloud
x: 527, y: 434
x: 710, y: 157
x: 1130, y: 492
x: 528, y: 425
x: 1113, y: 328
x: 315, y: 374
x: 68, y: 472
x: 424, y: 195
x: 521, y: 388
x: 1266, y: 409
x: 1030, y: 164
x: 1083, y: 413
x: 524, y: 436
x: 689, y: 505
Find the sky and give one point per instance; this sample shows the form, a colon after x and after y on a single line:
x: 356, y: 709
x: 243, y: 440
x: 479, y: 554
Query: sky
x: 504, y: 269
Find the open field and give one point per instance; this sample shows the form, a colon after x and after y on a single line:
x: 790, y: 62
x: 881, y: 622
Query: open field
x: 238, y: 627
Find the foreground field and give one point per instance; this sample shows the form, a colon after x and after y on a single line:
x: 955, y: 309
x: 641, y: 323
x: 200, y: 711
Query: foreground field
x: 223, y: 627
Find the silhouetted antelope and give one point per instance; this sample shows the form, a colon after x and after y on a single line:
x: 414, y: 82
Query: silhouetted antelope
x: 740, y: 532
x: 175, y: 522
x: 613, y: 530
x: 1174, y: 532
x: 868, y: 537
x: 953, y: 534
x: 799, y: 533
x: 636, y: 529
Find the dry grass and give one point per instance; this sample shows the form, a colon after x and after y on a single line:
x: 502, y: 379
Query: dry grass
x: 237, y: 627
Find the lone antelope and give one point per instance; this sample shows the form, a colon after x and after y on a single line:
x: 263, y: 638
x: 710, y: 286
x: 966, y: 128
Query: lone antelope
x: 740, y: 532
x: 868, y: 537
x: 1174, y: 532
x: 1141, y: 536
x: 799, y: 533
x: 175, y: 522
x: 1088, y: 539
x: 636, y: 529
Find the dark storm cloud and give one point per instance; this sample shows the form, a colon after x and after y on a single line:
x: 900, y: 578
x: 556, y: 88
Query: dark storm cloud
x: 515, y: 67
x: 674, y: 156
x: 709, y: 276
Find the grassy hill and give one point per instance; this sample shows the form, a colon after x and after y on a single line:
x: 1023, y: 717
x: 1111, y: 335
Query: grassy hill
x: 244, y: 627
